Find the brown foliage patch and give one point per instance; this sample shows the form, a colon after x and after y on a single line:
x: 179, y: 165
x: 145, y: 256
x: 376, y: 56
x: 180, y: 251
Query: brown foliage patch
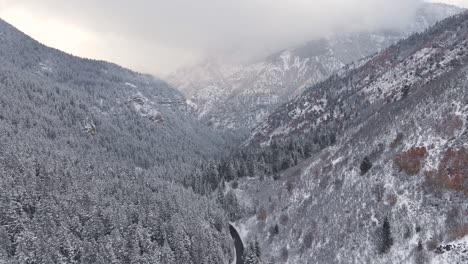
x: 456, y: 223
x: 458, y: 232
x: 452, y: 173
x: 449, y: 126
x: 410, y: 161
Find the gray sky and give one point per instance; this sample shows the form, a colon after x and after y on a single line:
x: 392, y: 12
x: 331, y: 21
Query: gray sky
x: 158, y: 36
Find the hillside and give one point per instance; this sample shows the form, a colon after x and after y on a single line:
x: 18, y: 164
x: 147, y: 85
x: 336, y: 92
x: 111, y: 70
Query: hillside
x: 89, y: 156
x: 392, y: 188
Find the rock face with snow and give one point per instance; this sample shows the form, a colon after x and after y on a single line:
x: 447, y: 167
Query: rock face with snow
x: 240, y: 96
x: 394, y: 186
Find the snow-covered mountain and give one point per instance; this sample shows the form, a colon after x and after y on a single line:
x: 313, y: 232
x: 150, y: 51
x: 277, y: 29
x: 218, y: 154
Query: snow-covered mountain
x: 112, y: 100
x: 240, y: 96
x: 91, y: 155
x: 393, y: 185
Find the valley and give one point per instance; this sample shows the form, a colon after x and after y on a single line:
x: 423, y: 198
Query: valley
x: 351, y: 148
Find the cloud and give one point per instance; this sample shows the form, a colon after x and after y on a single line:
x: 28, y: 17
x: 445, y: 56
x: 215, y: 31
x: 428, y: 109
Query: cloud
x: 158, y: 36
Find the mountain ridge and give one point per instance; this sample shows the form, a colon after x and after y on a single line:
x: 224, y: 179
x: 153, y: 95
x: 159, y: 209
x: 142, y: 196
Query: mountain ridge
x: 225, y: 101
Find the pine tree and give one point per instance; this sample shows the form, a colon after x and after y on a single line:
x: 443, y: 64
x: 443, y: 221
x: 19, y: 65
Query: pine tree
x: 366, y: 165
x: 258, y: 252
x: 387, y: 240
x: 167, y: 255
x: 251, y: 255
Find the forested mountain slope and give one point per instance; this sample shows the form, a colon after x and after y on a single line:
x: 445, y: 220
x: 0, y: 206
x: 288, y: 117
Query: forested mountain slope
x: 360, y: 90
x: 393, y: 186
x: 84, y: 148
x: 128, y: 115
x: 236, y: 97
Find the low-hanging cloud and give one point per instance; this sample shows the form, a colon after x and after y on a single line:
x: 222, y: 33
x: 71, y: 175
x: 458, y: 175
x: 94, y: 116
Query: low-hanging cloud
x: 159, y: 35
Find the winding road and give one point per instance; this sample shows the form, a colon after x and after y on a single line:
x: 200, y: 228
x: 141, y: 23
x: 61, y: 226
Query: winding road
x: 239, y: 246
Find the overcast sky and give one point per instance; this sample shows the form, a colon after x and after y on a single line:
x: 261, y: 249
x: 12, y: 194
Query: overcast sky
x: 158, y: 36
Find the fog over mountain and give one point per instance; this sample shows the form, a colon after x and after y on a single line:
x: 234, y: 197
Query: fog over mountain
x: 239, y: 96
x: 160, y: 36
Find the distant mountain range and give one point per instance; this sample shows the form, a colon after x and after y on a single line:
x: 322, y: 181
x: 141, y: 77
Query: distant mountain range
x: 233, y: 97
